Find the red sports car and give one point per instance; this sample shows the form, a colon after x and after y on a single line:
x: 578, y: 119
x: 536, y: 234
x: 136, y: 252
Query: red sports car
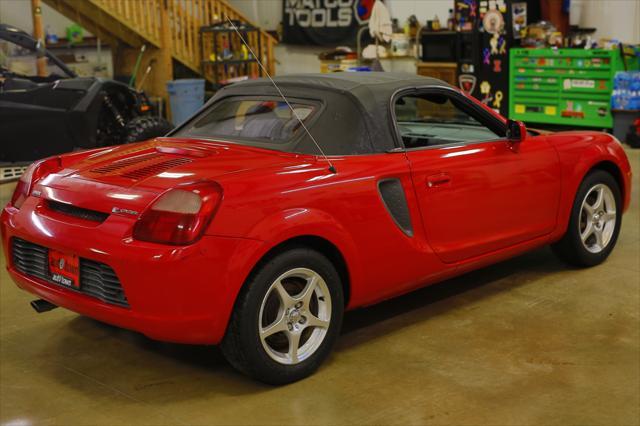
x: 235, y: 230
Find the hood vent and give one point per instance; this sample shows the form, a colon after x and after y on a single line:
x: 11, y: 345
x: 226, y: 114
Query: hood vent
x: 156, y: 168
x: 127, y: 162
x: 141, y: 166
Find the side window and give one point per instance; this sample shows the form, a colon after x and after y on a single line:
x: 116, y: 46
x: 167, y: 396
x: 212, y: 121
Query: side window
x: 436, y: 119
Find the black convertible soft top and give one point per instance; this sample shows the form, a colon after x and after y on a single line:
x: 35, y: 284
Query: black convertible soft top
x: 356, y: 116
x: 362, y: 85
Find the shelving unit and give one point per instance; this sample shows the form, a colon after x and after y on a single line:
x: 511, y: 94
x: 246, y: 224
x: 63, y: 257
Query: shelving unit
x: 564, y: 86
x: 86, y: 43
x: 212, y: 40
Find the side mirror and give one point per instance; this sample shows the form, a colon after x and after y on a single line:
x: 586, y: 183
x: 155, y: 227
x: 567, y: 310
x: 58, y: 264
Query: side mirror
x: 516, y: 131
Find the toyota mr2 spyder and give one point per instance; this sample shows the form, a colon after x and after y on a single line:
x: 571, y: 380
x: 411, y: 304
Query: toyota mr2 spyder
x: 256, y: 223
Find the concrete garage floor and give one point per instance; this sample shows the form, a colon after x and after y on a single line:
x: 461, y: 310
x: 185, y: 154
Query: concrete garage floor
x: 528, y: 341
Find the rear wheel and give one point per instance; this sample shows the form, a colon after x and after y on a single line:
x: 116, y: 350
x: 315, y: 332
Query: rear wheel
x: 287, y: 318
x: 146, y: 127
x: 595, y: 221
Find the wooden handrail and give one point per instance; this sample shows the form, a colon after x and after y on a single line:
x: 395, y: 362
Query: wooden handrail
x: 171, y: 31
x: 144, y: 17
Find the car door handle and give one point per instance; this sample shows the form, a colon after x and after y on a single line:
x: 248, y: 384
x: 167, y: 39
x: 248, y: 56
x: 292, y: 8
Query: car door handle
x: 439, y: 179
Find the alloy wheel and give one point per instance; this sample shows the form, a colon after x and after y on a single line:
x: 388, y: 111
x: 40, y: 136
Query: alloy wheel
x: 597, y: 220
x: 294, y: 316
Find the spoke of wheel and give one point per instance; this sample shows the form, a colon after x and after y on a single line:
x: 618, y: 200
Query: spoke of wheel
x: 588, y: 208
x: 294, y: 345
x: 599, y: 238
x: 599, y: 200
x: 307, y: 292
x: 285, y: 297
x: 609, y: 216
x: 314, y: 321
x: 279, y: 325
x: 587, y: 231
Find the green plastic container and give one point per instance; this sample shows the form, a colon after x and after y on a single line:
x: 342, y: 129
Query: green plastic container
x: 564, y: 86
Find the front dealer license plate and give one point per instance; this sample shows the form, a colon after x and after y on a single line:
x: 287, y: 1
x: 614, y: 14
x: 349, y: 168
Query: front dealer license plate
x: 64, y: 268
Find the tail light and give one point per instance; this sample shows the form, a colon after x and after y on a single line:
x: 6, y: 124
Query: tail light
x: 31, y: 176
x: 180, y: 216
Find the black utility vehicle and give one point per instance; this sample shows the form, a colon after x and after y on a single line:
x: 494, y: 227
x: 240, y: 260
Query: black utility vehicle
x: 43, y: 116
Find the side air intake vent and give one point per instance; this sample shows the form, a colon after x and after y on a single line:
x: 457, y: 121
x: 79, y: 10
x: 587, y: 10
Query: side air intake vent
x: 395, y: 201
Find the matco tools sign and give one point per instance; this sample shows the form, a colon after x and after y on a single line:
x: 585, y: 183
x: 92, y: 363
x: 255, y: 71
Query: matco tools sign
x: 324, y: 22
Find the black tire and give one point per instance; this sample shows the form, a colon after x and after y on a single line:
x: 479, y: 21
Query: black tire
x: 146, y: 127
x: 570, y: 248
x: 242, y: 345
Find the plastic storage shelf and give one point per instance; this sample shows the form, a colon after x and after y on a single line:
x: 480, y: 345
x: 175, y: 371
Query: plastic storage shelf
x: 563, y: 86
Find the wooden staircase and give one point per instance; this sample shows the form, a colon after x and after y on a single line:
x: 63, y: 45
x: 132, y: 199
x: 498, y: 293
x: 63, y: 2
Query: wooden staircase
x: 168, y: 28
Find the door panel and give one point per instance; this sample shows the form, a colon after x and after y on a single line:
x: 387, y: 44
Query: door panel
x: 481, y: 197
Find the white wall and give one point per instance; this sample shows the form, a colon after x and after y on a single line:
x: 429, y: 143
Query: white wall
x: 614, y: 19
x: 268, y: 13
x: 300, y: 59
x: 265, y: 13
x: 292, y: 59
x: 619, y: 19
x: 18, y: 13
x: 423, y: 9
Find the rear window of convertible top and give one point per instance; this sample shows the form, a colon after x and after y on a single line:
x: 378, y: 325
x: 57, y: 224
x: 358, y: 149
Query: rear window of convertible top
x: 266, y: 120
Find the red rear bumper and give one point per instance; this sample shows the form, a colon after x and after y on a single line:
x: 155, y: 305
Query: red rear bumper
x: 177, y: 294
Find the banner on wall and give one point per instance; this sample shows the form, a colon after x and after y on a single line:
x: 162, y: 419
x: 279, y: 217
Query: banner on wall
x: 324, y: 22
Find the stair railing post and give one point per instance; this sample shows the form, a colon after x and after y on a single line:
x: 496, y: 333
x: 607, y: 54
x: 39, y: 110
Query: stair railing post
x: 38, y: 34
x: 165, y: 62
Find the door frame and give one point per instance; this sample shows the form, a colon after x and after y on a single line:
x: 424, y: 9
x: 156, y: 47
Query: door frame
x: 486, y: 118
x: 493, y: 122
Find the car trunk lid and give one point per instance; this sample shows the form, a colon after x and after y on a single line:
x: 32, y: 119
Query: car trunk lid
x: 130, y: 177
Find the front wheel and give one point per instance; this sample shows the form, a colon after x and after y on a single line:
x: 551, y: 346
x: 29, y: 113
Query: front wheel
x: 595, y: 221
x: 287, y: 318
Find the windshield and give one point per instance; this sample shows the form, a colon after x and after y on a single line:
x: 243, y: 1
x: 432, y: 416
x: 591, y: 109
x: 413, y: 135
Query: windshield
x: 253, y: 119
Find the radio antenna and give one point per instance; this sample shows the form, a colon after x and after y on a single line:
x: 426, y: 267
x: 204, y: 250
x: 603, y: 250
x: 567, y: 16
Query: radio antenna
x: 332, y: 169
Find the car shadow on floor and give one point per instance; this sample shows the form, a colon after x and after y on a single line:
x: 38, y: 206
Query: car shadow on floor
x: 487, y: 281
x: 359, y: 327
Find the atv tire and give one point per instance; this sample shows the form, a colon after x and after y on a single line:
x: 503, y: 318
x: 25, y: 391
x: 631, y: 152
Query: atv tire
x: 146, y: 127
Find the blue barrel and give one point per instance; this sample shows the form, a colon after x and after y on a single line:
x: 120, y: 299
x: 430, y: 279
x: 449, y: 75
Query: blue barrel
x: 186, y: 97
